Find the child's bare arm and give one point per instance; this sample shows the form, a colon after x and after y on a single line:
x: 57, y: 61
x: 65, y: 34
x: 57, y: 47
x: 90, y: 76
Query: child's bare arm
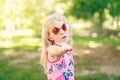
x: 59, y: 49
x: 54, y: 50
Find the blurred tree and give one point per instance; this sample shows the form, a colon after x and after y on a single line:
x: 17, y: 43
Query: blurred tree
x: 26, y: 14
x: 2, y: 4
x: 87, y: 9
x: 30, y: 14
x: 114, y: 9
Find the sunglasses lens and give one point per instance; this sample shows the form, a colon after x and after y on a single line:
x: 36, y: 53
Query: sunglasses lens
x: 64, y: 27
x: 55, y: 30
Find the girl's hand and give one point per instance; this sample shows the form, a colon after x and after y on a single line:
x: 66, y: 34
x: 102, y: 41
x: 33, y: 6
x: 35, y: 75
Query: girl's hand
x: 65, y: 47
x: 59, y: 49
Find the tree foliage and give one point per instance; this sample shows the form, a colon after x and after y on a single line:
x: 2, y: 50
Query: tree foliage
x: 26, y: 14
x: 31, y: 13
x: 113, y: 7
x: 86, y: 9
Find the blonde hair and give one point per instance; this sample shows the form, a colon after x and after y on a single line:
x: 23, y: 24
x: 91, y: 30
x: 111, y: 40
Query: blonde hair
x: 45, y: 35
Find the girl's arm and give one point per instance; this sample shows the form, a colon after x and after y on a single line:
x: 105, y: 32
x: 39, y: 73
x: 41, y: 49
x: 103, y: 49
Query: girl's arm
x: 59, y: 49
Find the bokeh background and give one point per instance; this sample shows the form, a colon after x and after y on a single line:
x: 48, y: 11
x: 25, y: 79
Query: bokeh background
x: 96, y: 37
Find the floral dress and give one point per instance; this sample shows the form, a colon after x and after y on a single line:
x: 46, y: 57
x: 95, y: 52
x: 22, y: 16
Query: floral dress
x: 62, y: 68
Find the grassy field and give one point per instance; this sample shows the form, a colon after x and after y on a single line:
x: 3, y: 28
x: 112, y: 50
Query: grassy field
x: 95, y: 59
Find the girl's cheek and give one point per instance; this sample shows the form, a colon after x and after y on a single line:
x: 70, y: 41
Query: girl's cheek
x: 56, y: 38
x: 67, y: 26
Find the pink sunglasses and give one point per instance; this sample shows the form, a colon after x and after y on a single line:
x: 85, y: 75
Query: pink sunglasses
x: 56, y: 30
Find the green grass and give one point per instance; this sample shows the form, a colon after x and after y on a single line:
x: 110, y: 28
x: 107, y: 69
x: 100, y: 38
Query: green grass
x: 18, y: 48
x: 21, y: 43
x: 24, y: 71
x: 15, y: 73
x: 84, y: 41
x: 33, y: 44
x: 93, y: 77
x: 34, y: 72
x: 99, y: 76
x: 88, y: 64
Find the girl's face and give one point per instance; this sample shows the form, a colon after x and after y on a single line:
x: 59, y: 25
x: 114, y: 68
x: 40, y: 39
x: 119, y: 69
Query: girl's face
x: 60, y: 32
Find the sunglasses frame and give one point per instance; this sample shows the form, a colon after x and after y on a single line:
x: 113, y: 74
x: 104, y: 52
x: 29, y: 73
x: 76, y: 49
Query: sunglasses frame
x: 56, y: 30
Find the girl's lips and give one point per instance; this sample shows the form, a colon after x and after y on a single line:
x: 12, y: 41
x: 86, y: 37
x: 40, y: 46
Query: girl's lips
x: 64, y: 37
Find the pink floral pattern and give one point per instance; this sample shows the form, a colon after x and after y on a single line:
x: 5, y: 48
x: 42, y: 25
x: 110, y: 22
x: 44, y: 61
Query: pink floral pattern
x: 62, y: 69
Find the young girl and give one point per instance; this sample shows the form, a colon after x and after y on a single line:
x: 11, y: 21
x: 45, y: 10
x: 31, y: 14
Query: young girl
x: 56, y: 56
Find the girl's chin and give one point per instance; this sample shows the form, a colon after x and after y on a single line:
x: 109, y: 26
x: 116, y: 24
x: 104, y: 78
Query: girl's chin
x: 62, y: 41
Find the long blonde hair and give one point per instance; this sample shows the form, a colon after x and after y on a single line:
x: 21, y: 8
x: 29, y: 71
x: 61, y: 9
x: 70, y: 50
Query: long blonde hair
x: 45, y: 35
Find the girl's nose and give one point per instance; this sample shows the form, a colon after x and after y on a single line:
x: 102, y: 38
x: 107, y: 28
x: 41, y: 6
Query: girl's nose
x: 61, y: 31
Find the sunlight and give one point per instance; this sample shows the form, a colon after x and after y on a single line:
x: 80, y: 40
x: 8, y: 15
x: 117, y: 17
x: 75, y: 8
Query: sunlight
x: 86, y: 51
x: 59, y: 8
x: 9, y: 28
x: 82, y: 24
x: 24, y: 32
x: 48, y: 2
x: 6, y: 44
x: 107, y: 23
x: 118, y: 47
x: 93, y: 44
x: 111, y: 22
x: 29, y: 41
x: 78, y: 25
x: 94, y: 34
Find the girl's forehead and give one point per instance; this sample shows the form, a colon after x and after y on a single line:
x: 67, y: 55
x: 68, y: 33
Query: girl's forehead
x: 58, y: 23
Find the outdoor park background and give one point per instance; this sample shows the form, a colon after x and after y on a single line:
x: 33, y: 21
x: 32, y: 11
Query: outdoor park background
x: 96, y: 37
